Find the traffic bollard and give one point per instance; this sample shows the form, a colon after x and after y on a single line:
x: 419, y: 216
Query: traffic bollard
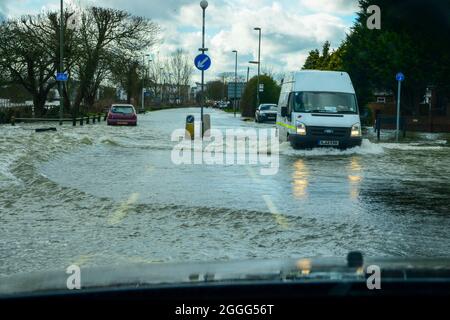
x: 190, y: 127
x: 206, y: 125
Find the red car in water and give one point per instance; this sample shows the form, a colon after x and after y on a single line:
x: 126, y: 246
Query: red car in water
x: 122, y: 114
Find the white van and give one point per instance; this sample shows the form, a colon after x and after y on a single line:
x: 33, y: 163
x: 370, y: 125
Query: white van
x: 318, y: 108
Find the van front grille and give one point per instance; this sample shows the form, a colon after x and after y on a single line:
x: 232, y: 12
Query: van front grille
x: 325, y: 132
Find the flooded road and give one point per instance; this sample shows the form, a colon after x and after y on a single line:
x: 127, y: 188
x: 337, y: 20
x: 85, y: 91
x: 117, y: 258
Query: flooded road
x: 98, y: 195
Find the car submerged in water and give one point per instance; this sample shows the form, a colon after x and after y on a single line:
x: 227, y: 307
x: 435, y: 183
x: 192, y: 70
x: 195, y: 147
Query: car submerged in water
x: 319, y: 109
x: 122, y: 114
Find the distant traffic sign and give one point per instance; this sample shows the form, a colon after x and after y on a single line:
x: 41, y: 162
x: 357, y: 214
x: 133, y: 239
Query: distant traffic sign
x: 190, y: 119
x: 202, y: 62
x: 239, y: 90
x: 400, y: 76
x: 60, y: 76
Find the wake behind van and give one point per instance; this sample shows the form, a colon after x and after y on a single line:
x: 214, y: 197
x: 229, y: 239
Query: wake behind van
x: 318, y: 109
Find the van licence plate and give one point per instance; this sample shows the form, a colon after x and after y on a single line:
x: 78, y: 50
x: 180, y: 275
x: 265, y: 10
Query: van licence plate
x: 122, y: 122
x: 328, y: 143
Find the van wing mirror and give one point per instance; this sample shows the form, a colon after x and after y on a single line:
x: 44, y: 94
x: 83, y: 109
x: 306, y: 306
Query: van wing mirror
x: 283, y: 112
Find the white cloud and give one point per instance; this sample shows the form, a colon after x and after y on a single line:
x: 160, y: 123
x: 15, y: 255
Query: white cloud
x: 331, y: 6
x: 287, y: 35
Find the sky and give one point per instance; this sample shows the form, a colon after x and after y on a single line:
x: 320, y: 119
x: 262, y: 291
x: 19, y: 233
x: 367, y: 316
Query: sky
x: 290, y: 28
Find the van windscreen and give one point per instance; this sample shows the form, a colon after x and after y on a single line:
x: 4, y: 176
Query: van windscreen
x: 329, y: 102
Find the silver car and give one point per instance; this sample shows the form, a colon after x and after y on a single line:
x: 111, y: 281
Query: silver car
x: 266, y: 112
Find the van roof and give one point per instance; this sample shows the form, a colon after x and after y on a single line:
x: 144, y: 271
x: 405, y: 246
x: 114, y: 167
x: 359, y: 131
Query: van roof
x: 322, y: 81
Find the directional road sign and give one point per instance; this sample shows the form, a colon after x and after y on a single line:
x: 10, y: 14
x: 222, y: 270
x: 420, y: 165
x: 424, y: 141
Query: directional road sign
x: 400, y: 76
x: 202, y: 62
x: 60, y: 76
x: 239, y: 90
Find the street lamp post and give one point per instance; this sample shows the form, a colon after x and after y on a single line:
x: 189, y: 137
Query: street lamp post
x: 235, y: 82
x: 259, y: 66
x: 203, y: 5
x: 144, y: 74
x: 61, y: 64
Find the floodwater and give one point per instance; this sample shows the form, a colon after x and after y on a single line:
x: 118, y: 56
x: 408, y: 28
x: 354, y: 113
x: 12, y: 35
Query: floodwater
x: 102, y: 196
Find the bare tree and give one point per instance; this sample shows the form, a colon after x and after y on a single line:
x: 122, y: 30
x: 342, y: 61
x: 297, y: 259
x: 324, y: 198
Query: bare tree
x: 124, y: 72
x: 156, y: 76
x: 105, y: 34
x: 227, y: 77
x: 268, y: 70
x: 181, y: 69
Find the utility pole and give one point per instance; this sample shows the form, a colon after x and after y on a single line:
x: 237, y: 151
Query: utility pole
x: 143, y: 84
x: 61, y: 64
x: 259, y: 66
x: 144, y: 74
x: 203, y: 5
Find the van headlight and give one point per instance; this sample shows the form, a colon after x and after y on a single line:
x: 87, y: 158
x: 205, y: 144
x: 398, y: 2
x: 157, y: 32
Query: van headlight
x: 301, y: 128
x: 356, y: 130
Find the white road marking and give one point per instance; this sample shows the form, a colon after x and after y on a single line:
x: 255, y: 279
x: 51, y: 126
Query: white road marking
x: 279, y: 218
x: 121, y: 213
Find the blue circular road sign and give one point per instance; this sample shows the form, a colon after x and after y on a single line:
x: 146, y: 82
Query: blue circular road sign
x: 400, y: 76
x: 202, y: 62
x: 190, y: 119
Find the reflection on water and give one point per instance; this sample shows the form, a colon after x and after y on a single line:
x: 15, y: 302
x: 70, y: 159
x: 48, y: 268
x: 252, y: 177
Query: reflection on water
x: 354, y: 176
x: 300, y: 179
x: 304, y: 265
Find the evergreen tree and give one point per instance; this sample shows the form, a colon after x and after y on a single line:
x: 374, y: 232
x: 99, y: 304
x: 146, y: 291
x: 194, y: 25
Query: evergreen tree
x: 270, y: 94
